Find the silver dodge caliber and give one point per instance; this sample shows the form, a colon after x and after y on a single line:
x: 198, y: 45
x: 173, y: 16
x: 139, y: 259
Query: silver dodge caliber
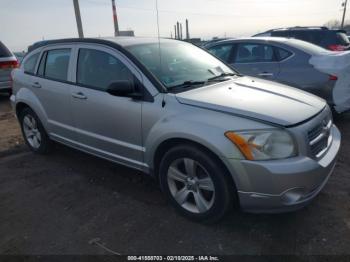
x: 212, y: 137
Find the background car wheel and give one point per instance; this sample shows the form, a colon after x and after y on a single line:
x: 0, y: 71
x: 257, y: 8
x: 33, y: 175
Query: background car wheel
x: 33, y: 132
x: 196, y: 184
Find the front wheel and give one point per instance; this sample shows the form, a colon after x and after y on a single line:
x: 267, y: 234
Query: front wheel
x: 196, y: 183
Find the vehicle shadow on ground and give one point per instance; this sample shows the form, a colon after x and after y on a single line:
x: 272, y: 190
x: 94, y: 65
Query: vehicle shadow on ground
x: 252, y: 233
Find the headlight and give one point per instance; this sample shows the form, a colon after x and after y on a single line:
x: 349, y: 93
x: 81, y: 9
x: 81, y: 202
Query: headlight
x: 263, y: 144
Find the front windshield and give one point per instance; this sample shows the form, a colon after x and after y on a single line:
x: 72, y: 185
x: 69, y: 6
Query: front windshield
x: 178, y: 62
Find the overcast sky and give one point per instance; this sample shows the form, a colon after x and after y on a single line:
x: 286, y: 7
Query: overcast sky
x: 23, y: 22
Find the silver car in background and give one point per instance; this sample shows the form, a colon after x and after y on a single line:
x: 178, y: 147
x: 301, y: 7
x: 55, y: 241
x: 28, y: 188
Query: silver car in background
x: 278, y: 59
x: 212, y: 137
x: 7, y: 63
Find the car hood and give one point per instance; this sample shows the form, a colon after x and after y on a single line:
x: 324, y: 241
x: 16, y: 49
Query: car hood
x: 255, y: 98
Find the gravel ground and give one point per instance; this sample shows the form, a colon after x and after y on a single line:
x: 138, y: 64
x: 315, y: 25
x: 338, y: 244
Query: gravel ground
x: 72, y: 203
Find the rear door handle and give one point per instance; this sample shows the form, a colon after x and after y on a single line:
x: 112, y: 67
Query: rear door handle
x: 36, y: 85
x: 265, y: 74
x: 79, y: 95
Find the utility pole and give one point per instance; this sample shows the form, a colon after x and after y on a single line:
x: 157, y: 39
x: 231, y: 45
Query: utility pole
x: 78, y: 18
x: 181, y: 31
x: 187, y: 30
x: 178, y: 30
x: 344, y: 13
x: 115, y: 19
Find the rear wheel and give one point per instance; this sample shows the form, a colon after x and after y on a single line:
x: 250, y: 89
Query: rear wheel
x: 33, y: 132
x: 196, y: 184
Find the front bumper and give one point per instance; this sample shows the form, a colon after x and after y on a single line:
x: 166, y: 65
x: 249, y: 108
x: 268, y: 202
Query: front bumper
x: 283, y: 185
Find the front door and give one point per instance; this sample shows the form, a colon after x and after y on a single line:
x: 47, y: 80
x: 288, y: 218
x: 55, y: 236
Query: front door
x: 106, y: 125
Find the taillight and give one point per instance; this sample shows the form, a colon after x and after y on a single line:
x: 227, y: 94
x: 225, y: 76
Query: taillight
x: 333, y: 78
x: 9, y: 64
x: 336, y: 47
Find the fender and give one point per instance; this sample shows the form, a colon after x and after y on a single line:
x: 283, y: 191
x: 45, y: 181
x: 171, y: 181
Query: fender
x: 26, y: 96
x: 209, y: 136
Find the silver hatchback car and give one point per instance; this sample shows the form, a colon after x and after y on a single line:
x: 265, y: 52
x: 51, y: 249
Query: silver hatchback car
x: 213, y: 138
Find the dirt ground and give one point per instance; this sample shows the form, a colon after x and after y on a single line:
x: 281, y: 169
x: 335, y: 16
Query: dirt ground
x: 10, y: 134
x: 72, y: 203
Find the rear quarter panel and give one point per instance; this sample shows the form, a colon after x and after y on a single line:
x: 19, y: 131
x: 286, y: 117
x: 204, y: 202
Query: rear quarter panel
x: 298, y: 72
x: 23, y: 94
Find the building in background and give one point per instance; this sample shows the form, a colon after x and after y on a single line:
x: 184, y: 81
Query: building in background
x: 126, y: 33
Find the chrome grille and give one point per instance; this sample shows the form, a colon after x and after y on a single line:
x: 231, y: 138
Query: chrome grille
x: 320, y: 137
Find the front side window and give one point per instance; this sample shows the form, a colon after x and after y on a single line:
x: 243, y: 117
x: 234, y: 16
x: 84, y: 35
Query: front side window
x: 56, y: 64
x: 175, y: 63
x: 254, y: 53
x: 30, y: 63
x: 222, y: 51
x: 98, y: 69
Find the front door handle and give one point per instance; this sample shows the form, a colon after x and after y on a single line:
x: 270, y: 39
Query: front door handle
x: 36, y: 85
x: 266, y: 74
x: 79, y: 95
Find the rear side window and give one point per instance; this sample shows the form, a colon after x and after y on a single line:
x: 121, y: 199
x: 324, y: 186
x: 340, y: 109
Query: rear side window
x: 311, y: 36
x: 222, y: 51
x: 56, y: 64
x: 98, y: 69
x: 282, y: 54
x: 30, y: 63
x: 4, y: 52
x: 342, y: 39
x: 280, y: 33
x: 254, y: 53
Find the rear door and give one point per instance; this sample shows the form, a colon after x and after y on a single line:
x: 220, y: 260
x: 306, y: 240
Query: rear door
x: 256, y: 59
x: 51, y: 86
x: 107, y: 125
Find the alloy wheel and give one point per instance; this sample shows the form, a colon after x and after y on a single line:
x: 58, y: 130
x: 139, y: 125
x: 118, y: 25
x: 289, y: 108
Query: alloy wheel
x: 191, y: 185
x: 31, y: 131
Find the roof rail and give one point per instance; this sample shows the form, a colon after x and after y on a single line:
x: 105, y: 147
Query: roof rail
x: 303, y: 27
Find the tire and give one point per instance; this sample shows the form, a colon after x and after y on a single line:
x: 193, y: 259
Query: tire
x: 33, y: 132
x: 184, y: 171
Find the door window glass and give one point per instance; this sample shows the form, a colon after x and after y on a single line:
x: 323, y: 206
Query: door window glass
x: 282, y: 54
x: 57, y: 62
x: 254, y: 53
x: 41, y: 69
x: 29, y: 65
x: 98, y: 69
x: 221, y: 51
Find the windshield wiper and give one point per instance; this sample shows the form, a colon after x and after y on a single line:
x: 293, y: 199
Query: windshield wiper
x: 188, y: 83
x: 223, y: 75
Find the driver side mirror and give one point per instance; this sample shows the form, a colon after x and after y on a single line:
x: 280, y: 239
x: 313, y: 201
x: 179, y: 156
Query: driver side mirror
x: 123, y: 88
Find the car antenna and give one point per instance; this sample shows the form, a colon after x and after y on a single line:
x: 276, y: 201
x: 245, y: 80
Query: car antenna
x: 160, y: 54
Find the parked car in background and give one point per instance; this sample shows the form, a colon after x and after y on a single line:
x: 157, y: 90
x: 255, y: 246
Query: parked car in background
x: 287, y: 61
x: 7, y: 62
x: 331, y: 39
x: 19, y: 56
x: 210, y: 42
x: 211, y: 137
